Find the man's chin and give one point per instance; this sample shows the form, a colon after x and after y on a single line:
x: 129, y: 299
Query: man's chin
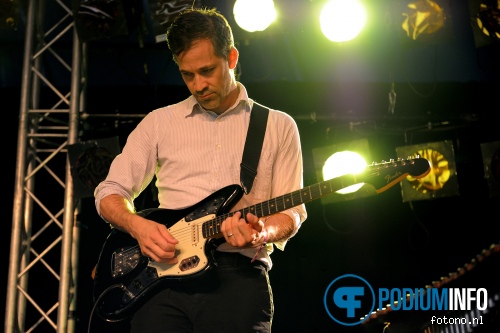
x: 208, y: 105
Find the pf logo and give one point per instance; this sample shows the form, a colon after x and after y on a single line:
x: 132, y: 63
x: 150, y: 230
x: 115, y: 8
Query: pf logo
x: 349, y: 299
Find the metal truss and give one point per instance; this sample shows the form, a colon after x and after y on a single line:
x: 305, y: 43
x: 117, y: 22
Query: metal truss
x: 41, y: 290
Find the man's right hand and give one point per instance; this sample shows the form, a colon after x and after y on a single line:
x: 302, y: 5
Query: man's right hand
x: 155, y: 240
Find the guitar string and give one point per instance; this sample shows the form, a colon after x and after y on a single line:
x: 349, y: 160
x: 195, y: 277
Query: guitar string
x: 300, y: 196
x: 306, y: 194
x: 211, y: 228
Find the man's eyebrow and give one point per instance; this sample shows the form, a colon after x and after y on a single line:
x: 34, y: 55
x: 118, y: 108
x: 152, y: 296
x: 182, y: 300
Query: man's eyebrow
x: 204, y: 68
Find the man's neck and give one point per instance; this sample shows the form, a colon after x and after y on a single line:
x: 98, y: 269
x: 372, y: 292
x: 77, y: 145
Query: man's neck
x: 229, y: 101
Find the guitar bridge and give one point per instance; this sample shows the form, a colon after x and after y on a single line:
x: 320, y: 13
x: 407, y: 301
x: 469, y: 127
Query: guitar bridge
x: 125, y: 261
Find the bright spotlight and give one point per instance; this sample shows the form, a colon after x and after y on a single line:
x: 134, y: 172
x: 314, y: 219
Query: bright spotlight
x: 342, y: 20
x: 254, y: 15
x: 342, y: 163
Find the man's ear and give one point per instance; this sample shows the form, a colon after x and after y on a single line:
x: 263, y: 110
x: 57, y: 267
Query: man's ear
x: 233, y: 58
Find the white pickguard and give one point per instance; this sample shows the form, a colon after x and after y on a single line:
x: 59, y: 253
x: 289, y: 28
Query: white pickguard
x: 190, y: 249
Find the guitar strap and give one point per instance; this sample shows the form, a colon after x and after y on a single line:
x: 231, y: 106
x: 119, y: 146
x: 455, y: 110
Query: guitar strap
x: 253, y: 145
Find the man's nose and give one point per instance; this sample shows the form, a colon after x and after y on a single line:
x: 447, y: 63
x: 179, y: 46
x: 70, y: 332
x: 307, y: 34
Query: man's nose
x: 200, y: 83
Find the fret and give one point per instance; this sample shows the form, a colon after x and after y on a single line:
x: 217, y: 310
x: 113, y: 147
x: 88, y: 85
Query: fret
x: 272, y: 207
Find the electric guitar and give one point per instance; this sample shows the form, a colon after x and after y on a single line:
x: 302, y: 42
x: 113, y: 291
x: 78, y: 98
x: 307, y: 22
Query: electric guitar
x: 124, y: 278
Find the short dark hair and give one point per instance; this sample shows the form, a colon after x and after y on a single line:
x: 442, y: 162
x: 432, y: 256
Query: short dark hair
x: 200, y: 23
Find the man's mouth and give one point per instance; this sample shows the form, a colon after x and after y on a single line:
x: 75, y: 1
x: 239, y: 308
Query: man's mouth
x: 206, y: 96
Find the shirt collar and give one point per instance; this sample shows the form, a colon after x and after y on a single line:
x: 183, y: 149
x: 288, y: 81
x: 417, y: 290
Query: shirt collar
x: 242, y: 101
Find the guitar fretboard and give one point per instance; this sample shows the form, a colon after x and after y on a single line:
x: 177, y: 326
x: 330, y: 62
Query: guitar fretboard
x: 307, y: 194
x: 381, y: 176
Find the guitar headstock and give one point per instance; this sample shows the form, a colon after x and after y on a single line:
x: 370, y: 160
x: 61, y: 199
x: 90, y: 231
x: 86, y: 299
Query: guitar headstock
x: 386, y: 174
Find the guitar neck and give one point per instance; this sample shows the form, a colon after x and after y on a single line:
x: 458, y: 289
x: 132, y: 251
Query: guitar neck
x: 381, y: 176
x: 304, y: 195
x: 212, y: 228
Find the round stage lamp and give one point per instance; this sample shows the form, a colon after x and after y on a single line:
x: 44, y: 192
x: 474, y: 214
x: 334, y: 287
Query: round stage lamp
x: 342, y: 20
x: 342, y: 163
x: 254, y: 15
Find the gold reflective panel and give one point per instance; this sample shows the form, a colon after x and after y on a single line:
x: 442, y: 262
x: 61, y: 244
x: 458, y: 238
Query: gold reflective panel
x: 441, y: 180
x: 437, y: 177
x: 423, y: 18
x: 488, y: 19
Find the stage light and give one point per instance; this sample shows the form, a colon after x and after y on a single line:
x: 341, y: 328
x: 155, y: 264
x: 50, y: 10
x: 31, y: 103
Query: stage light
x: 485, y: 18
x: 488, y: 20
x: 340, y: 159
x: 254, y: 15
x: 342, y: 20
x: 491, y: 164
x: 9, y: 13
x: 100, y: 19
x: 341, y: 163
x: 423, y: 19
x: 163, y: 12
x: 441, y: 181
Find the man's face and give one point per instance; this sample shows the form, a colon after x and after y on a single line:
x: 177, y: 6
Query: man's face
x: 208, y: 77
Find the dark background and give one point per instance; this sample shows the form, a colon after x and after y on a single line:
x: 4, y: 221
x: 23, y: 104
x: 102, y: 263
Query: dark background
x: 447, y: 89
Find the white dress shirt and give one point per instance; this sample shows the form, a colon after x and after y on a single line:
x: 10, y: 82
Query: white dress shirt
x: 195, y: 152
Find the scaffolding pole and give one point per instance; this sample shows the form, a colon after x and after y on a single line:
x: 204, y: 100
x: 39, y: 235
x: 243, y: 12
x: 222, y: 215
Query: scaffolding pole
x: 41, y: 288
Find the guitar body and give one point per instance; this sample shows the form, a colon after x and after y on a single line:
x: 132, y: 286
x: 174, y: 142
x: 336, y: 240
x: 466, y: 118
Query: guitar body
x: 124, y: 277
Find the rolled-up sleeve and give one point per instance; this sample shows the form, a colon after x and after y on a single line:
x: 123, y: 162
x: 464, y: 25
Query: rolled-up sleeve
x: 133, y: 169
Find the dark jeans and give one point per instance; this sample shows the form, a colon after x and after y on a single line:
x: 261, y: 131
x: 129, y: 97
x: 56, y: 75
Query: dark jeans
x: 233, y: 296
